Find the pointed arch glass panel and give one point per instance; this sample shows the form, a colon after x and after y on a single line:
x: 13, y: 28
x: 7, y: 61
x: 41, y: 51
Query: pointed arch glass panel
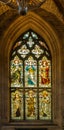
x: 30, y: 78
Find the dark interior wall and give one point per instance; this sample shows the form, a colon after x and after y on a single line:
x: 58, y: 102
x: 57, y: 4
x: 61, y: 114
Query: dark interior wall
x: 52, y: 30
x: 30, y: 129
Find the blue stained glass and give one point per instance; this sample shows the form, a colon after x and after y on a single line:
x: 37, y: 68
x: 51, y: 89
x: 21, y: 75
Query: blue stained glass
x: 30, y: 72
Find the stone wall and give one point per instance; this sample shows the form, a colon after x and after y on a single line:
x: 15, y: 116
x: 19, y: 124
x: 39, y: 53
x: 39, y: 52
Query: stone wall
x: 52, y: 29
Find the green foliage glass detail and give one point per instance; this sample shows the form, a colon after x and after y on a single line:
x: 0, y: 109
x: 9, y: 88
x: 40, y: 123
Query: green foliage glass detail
x: 16, y: 72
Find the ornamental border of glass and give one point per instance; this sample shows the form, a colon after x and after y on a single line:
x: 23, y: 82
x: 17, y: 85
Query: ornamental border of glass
x: 30, y: 78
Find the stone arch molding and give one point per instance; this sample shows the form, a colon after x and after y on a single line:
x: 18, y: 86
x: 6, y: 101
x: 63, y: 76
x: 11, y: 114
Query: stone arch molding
x: 34, y: 22
x: 39, y: 25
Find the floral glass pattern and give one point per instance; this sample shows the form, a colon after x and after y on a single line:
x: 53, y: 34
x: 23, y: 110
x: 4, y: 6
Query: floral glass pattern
x: 30, y: 78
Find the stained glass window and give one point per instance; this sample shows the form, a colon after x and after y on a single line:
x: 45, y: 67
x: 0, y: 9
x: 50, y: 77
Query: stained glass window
x: 30, y: 78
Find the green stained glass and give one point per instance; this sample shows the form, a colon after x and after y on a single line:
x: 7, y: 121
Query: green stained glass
x: 16, y: 72
x: 26, y: 35
x: 34, y: 35
x: 30, y: 78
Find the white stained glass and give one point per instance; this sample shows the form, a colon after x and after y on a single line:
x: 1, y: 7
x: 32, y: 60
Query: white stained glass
x: 37, y: 51
x: 45, y: 105
x: 30, y: 42
x: 23, y: 51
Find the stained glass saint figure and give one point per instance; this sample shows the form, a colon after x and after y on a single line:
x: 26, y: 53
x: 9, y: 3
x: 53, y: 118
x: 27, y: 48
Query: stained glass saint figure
x: 17, y: 104
x: 45, y: 104
x: 30, y: 72
x: 31, y: 105
x: 16, y: 72
x: 45, y: 72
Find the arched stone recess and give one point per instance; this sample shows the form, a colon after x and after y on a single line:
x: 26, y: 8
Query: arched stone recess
x: 39, y: 25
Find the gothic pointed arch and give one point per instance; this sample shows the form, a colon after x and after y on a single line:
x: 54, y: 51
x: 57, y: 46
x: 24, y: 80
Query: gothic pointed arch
x: 41, y: 27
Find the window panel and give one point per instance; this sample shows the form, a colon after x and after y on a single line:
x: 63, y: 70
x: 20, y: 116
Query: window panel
x: 31, y: 104
x: 44, y: 72
x: 45, y: 104
x: 30, y: 78
x: 30, y: 72
x: 16, y: 104
x: 16, y: 72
